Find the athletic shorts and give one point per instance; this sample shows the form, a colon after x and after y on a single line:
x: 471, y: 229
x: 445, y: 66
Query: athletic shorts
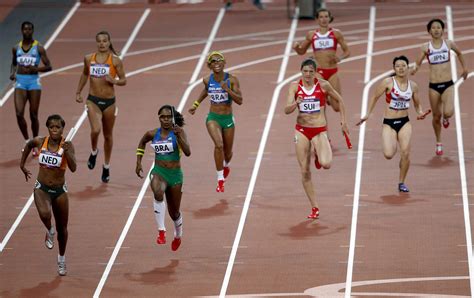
x: 53, y: 192
x: 441, y: 87
x: 397, y: 123
x: 171, y: 176
x: 326, y: 73
x: 28, y: 82
x: 102, y: 103
x: 310, y: 132
x: 225, y: 121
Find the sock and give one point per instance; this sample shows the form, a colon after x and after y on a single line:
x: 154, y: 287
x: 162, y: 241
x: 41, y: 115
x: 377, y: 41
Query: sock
x: 178, y: 227
x: 51, y: 231
x: 106, y: 166
x: 94, y: 152
x: 159, y: 208
x: 226, y: 164
x: 220, y: 175
x: 61, y: 258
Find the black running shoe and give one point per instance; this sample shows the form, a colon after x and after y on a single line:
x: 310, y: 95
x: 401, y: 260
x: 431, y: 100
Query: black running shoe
x: 105, y: 175
x: 91, y: 160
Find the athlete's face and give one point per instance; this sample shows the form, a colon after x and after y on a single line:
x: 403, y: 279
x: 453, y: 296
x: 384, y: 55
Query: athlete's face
x: 308, y: 72
x: 166, y: 119
x: 436, y: 30
x: 55, y: 129
x: 27, y: 31
x: 401, y: 68
x: 103, y: 42
x: 324, y: 19
x: 216, y: 63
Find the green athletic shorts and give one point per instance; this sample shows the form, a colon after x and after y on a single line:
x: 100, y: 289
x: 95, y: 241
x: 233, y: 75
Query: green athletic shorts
x: 171, y: 176
x: 225, y: 121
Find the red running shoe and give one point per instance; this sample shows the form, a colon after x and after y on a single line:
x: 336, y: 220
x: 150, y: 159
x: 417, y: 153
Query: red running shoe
x: 161, y: 239
x: 314, y: 213
x: 175, y: 244
x: 226, y: 171
x: 439, y: 149
x: 316, y: 161
x: 220, y: 186
x: 445, y: 122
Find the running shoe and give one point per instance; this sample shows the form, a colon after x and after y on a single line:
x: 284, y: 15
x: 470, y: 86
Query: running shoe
x: 175, y: 244
x: 402, y: 187
x: 228, y: 6
x: 161, y: 239
x: 62, y: 271
x: 445, y: 122
x: 220, y: 186
x: 34, y: 152
x: 49, y: 240
x: 226, y: 172
x: 439, y: 149
x: 316, y: 161
x: 314, y: 213
x: 105, y: 175
x: 91, y: 160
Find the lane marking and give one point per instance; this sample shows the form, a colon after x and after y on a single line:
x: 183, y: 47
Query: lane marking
x: 260, y: 154
x: 360, y: 150
x: 462, y: 165
x: 147, y: 179
x: 71, y: 134
x: 47, y: 44
x: 335, y: 290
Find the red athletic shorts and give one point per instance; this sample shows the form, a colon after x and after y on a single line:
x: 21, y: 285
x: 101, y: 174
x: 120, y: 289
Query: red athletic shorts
x: 310, y: 132
x: 326, y: 73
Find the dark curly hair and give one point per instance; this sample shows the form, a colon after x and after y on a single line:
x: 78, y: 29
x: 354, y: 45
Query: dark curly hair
x: 55, y: 117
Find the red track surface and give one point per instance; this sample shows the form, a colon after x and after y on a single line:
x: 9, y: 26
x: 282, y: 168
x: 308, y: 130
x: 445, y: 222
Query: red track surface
x: 420, y: 235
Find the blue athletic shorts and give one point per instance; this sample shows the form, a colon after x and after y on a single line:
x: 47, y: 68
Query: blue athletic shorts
x: 28, y: 82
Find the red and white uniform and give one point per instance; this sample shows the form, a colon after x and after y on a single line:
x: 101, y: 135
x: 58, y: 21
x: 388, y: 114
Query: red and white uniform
x: 397, y: 98
x: 313, y: 99
x: 327, y: 41
x: 438, y: 56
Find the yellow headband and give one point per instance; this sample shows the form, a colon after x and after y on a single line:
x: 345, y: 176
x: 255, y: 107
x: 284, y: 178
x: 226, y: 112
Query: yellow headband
x: 214, y: 53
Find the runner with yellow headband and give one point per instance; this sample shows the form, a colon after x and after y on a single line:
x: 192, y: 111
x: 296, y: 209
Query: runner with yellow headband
x: 222, y: 89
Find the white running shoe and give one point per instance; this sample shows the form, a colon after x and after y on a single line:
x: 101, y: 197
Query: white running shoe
x: 62, y: 271
x: 49, y: 240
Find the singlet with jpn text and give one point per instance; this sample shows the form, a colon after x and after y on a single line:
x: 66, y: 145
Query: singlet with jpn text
x: 397, y: 98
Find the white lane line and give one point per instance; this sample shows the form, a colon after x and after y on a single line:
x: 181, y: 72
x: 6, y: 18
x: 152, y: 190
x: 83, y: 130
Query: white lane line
x: 207, y: 47
x: 47, y: 44
x: 360, y: 155
x: 71, y: 134
x: 258, y: 161
x: 462, y: 165
x: 140, y: 196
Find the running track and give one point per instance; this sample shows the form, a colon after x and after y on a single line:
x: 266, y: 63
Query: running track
x: 412, y: 245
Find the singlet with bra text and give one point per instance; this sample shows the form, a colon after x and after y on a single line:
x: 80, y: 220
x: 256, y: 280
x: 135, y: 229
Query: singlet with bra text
x: 166, y: 148
x: 217, y: 95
